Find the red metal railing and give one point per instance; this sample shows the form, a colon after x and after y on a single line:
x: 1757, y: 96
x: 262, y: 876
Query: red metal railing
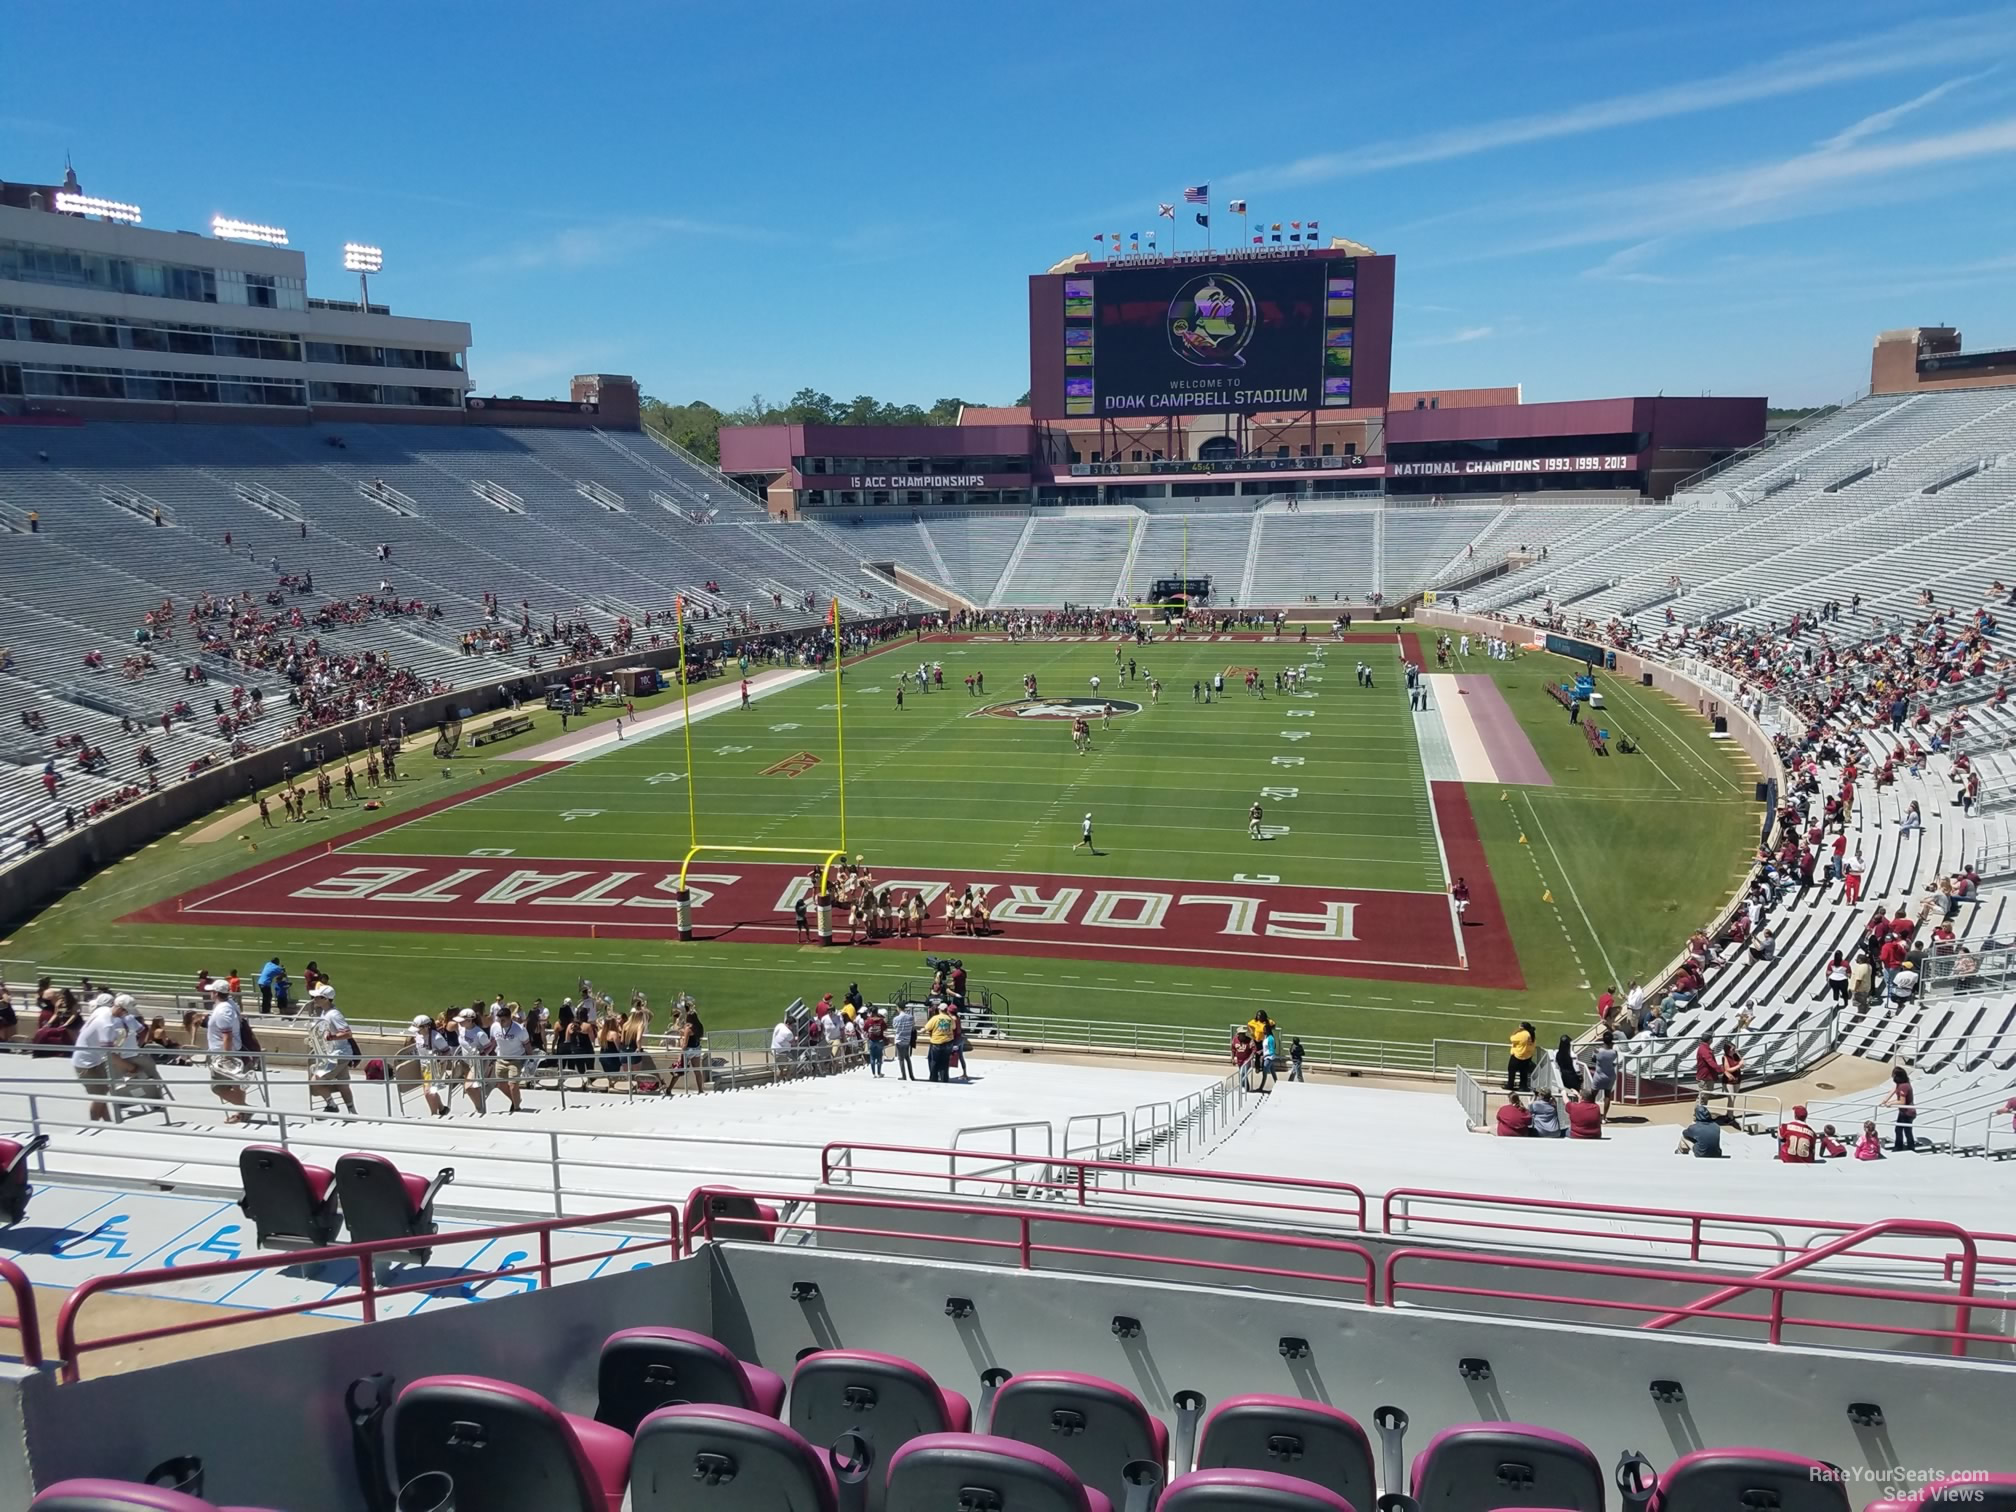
x: 1969, y: 1265
x: 25, y: 1321
x: 1027, y: 1247
x: 70, y: 1350
x: 1396, y: 1218
x: 1959, y: 1336
x: 1081, y: 1183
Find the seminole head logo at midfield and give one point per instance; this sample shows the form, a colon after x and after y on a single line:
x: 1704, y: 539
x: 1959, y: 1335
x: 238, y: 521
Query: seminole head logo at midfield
x: 1210, y: 321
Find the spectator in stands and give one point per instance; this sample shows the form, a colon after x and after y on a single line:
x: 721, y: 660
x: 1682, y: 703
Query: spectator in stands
x: 693, y: 1047
x: 1603, y: 1073
x: 1904, y: 1137
x: 1831, y: 1147
x: 9, y: 1023
x: 1903, y: 985
x: 1707, y: 1068
x: 1567, y: 1075
x: 270, y: 973
x: 1514, y: 1122
x: 1797, y: 1143
x: 1656, y: 1023
x: 1732, y: 1068
x: 1546, y: 1117
x: 940, y: 1032
x: 875, y: 1034
x: 92, y: 1059
x: 1519, y: 1065
x: 224, y: 1034
x: 1703, y: 1137
x: 1870, y: 1145
x: 426, y: 1046
x: 511, y: 1043
x: 903, y: 1031
x: 1837, y: 980
x: 1585, y: 1119
x: 1861, y: 980
x: 473, y: 1048
x: 334, y: 1047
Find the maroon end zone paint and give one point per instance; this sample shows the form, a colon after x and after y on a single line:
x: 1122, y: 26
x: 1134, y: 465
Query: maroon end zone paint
x: 1341, y: 932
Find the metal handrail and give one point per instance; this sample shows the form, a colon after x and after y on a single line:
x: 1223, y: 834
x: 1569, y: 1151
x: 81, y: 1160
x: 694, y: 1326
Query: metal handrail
x: 25, y: 1322
x: 70, y: 1349
x: 1970, y: 1260
x: 1027, y: 1247
x: 286, y: 1129
x: 1070, y: 1176
x: 1959, y: 1336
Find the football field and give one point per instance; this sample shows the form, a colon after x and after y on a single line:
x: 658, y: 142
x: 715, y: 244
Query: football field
x: 523, y: 867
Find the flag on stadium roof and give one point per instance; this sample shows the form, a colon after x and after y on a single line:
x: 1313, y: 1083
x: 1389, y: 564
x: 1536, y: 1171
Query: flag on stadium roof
x: 1294, y: 225
x: 1098, y: 236
x: 1203, y: 219
x: 1197, y: 194
x: 1275, y: 227
x: 1312, y: 225
x: 1258, y: 240
x: 1167, y: 211
x: 1237, y: 207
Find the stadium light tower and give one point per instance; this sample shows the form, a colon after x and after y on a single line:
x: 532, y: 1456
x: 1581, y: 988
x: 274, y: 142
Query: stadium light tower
x: 104, y: 209
x: 363, y: 261
x: 225, y: 228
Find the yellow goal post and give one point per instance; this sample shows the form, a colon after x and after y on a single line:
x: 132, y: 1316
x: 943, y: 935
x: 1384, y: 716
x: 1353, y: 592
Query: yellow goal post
x: 825, y: 856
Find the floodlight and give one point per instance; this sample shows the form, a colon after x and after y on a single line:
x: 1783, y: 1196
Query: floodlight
x: 104, y: 209
x: 358, y: 258
x: 227, y: 229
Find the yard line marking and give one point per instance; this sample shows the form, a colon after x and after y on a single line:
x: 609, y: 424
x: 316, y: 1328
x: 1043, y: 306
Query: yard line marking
x: 1574, y: 896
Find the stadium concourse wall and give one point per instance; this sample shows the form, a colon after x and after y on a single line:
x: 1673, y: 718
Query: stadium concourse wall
x: 1708, y: 702
x: 37, y: 879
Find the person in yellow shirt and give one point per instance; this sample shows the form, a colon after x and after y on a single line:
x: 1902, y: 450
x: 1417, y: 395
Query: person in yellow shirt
x: 939, y: 1031
x: 1519, y: 1068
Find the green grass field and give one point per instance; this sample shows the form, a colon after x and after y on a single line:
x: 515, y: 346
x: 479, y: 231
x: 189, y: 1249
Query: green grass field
x: 1620, y: 859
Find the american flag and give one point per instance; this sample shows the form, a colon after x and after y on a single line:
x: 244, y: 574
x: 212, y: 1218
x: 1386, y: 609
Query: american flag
x: 1197, y: 194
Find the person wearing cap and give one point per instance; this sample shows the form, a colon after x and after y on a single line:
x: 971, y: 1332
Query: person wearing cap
x: 428, y: 1046
x: 1085, y: 837
x: 91, y: 1060
x: 224, y: 1035
x: 473, y: 1045
x: 513, y: 1043
x: 336, y: 1051
x: 131, y: 1060
x: 1797, y: 1143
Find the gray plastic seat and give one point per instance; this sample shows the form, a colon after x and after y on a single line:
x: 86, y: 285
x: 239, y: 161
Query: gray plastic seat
x: 1753, y: 1480
x: 1290, y: 1436
x: 1482, y: 1467
x: 1232, y: 1490
x: 884, y: 1399
x: 507, y: 1449
x: 987, y: 1474
x: 1095, y: 1426
x: 726, y: 1459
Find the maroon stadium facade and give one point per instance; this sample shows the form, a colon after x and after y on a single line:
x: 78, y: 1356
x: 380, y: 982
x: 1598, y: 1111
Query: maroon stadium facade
x: 1259, y: 373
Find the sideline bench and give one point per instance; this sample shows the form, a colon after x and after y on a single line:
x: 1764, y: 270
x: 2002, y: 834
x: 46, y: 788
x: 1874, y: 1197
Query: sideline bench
x: 1560, y: 695
x: 1596, y: 742
x: 502, y: 728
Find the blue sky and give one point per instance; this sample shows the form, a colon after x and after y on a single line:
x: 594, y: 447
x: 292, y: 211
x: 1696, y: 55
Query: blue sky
x: 1588, y: 199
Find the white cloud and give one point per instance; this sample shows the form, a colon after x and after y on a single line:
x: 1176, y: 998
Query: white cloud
x: 1914, y: 46
x: 1459, y: 338
x: 601, y: 243
x: 1626, y: 264
x: 1883, y: 120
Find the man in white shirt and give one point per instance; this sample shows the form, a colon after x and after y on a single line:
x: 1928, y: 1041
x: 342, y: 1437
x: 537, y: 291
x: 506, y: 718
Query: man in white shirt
x: 783, y: 1048
x: 473, y: 1044
x: 335, y: 1048
x: 92, y: 1057
x: 513, y: 1043
x: 224, y: 1033
x: 133, y: 1061
x: 428, y: 1046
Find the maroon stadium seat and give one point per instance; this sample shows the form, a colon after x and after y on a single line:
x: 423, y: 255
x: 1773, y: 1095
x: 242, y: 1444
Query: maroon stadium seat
x: 941, y: 1470
x: 1094, y: 1426
x: 643, y: 1369
x: 507, y: 1449
x: 723, y: 1459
